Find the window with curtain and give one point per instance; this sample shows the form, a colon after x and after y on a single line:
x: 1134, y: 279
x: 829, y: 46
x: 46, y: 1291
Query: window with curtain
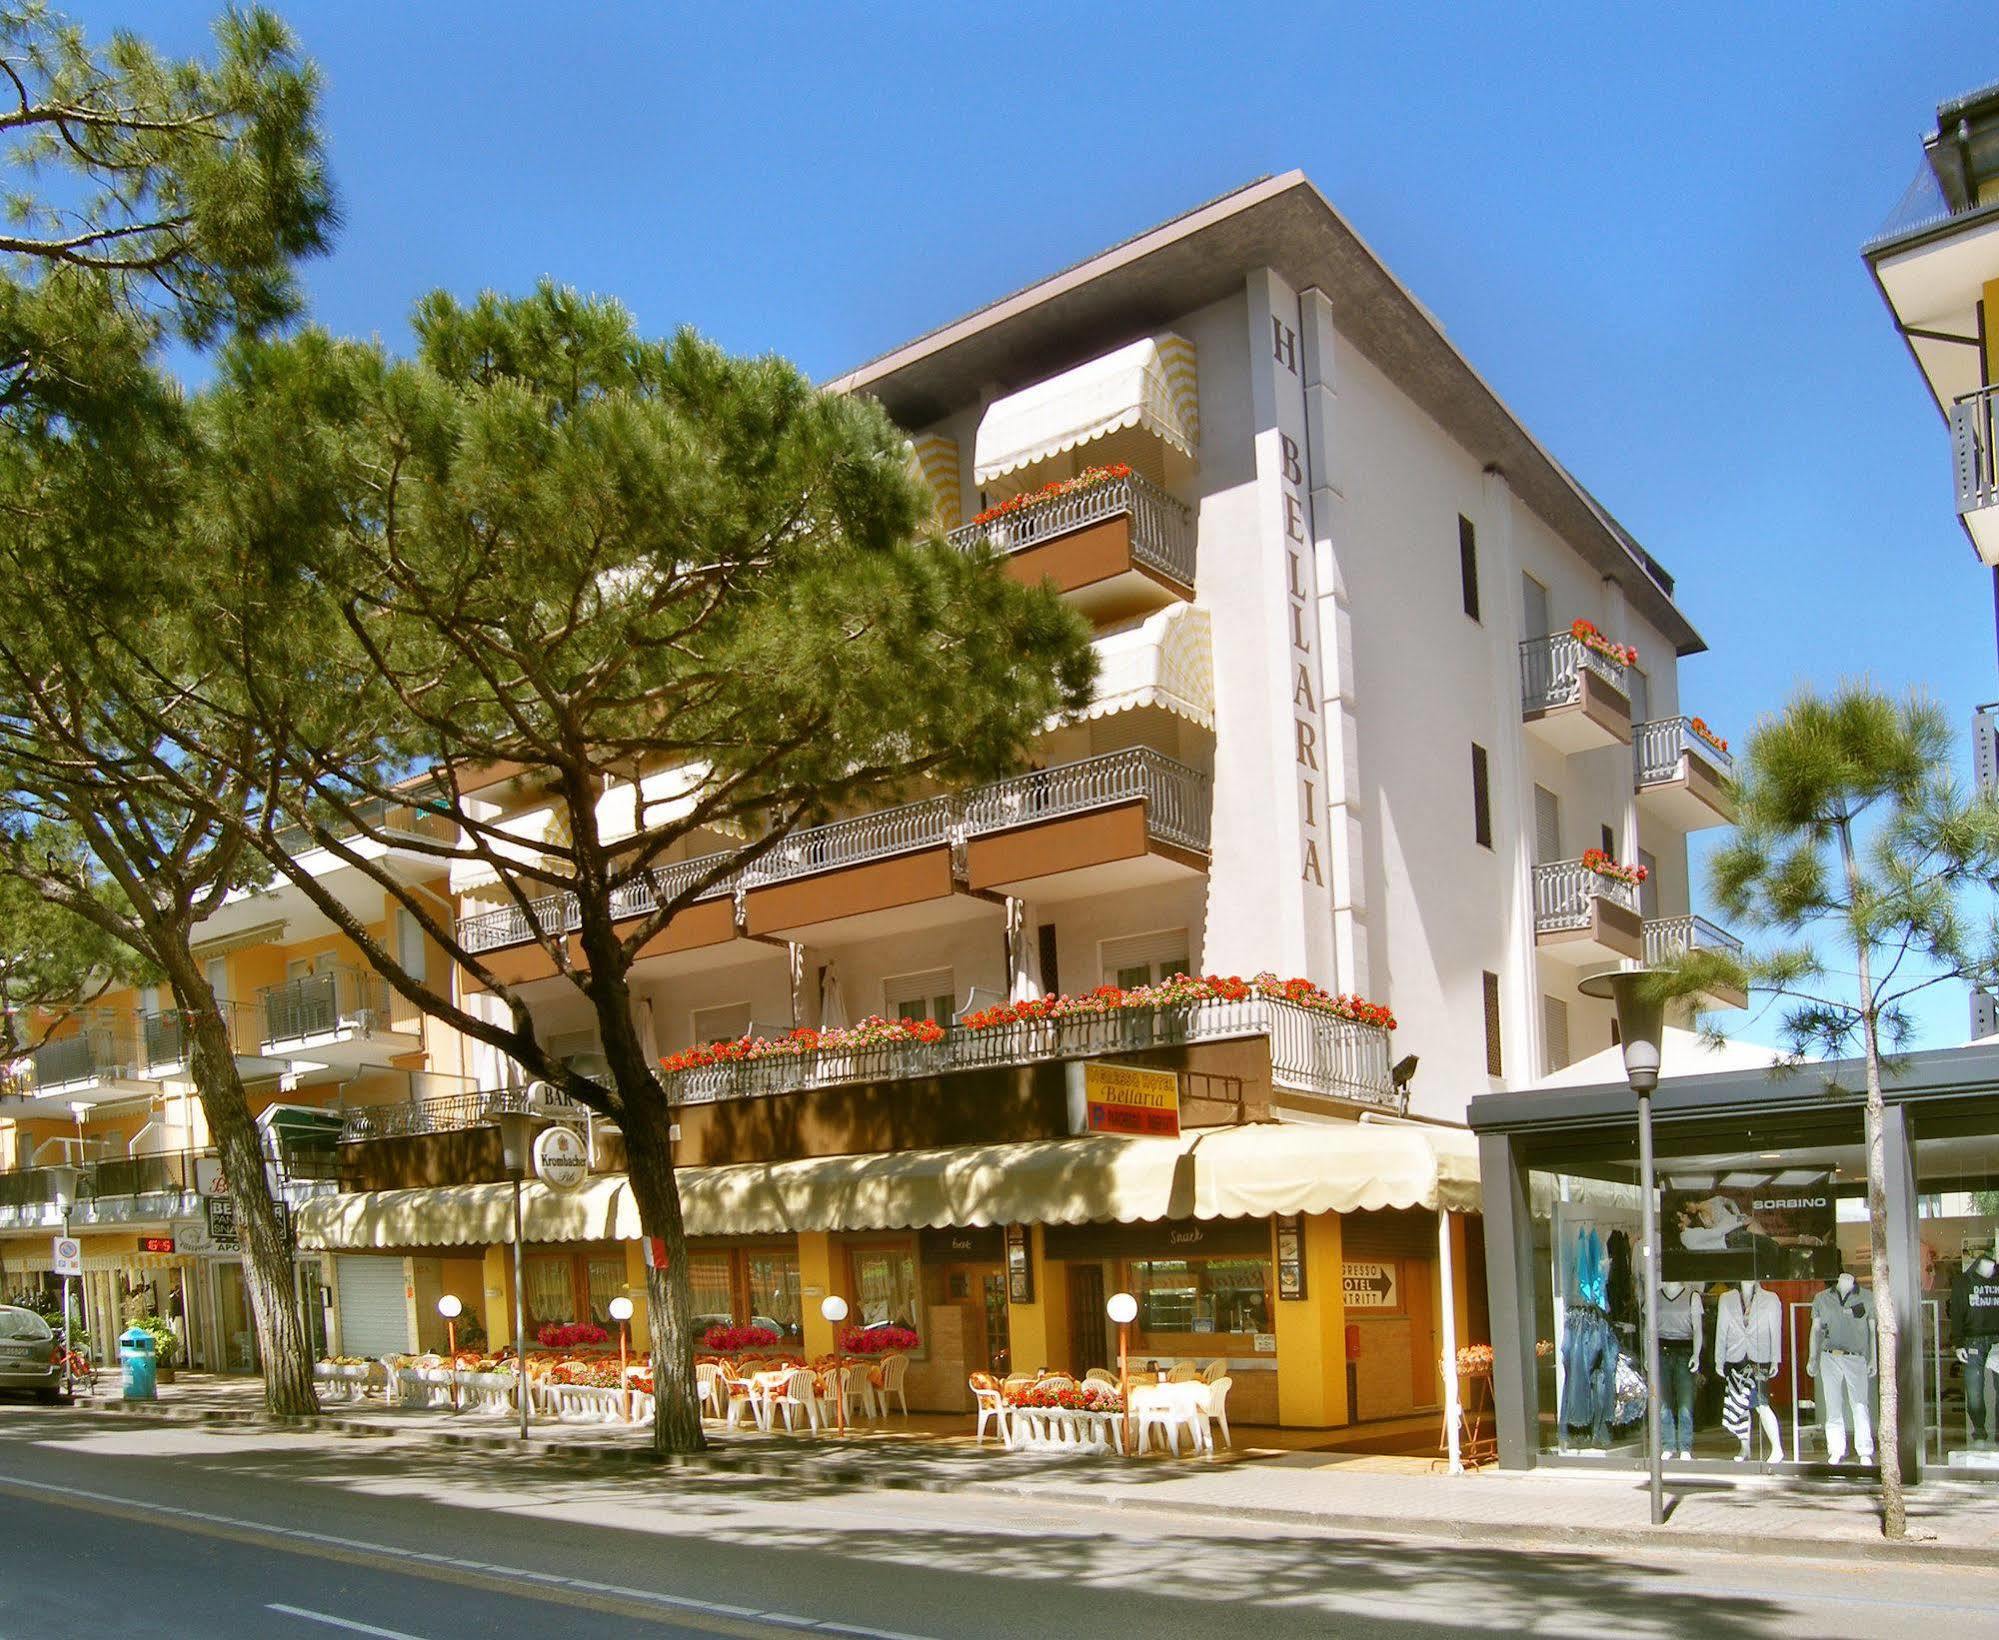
x: 711, y: 1290
x: 1201, y: 1295
x: 606, y: 1276
x: 885, y: 1287
x: 550, y: 1296
x: 774, y: 1292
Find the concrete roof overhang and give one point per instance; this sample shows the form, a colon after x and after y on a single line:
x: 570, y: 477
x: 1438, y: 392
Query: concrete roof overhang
x: 1286, y: 224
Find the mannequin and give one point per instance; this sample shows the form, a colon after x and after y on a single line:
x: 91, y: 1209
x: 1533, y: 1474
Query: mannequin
x: 1748, y: 1343
x: 1681, y: 1319
x: 1974, y: 1324
x: 1842, y: 1359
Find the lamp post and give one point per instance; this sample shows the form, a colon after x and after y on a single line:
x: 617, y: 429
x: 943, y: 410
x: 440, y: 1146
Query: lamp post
x: 1123, y: 1309
x: 1641, y: 1024
x: 621, y: 1312
x: 63, y: 1180
x: 834, y: 1308
x: 516, y: 1139
x: 450, y: 1308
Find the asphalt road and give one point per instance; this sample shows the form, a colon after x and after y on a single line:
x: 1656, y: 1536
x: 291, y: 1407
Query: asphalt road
x: 110, y: 1529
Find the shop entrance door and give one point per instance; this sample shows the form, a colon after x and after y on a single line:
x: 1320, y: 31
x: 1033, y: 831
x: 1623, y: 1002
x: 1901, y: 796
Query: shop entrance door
x: 312, y: 1313
x: 233, y: 1320
x: 999, y: 1339
x: 1088, y: 1342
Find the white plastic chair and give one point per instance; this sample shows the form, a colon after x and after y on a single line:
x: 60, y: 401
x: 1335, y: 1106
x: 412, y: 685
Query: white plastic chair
x: 800, y: 1391
x: 895, y: 1368
x: 1214, y: 1370
x: 1100, y: 1375
x: 1170, y: 1408
x: 992, y: 1409
x: 1184, y: 1372
x: 707, y: 1381
x: 1218, y: 1408
x: 739, y: 1395
x: 857, y: 1391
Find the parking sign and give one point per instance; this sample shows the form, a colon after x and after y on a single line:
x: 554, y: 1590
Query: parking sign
x: 68, y: 1256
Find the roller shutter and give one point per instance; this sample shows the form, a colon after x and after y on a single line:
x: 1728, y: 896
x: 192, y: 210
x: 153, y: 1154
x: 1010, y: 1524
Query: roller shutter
x: 374, y: 1315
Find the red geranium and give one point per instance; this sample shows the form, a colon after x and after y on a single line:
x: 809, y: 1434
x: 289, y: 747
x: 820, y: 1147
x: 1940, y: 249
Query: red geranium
x: 566, y: 1336
x: 1086, y: 479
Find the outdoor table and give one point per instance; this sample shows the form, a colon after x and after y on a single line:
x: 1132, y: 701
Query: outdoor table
x: 764, y: 1388
x: 342, y: 1383
x: 489, y: 1393
x: 1062, y: 1429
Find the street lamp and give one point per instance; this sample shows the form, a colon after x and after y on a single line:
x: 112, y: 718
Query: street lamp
x: 451, y: 1309
x: 63, y: 1180
x: 516, y: 1139
x: 1641, y: 1025
x: 1123, y: 1309
x: 621, y: 1312
x: 834, y: 1308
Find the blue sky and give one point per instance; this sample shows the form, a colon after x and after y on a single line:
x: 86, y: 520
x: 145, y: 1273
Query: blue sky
x: 1642, y: 228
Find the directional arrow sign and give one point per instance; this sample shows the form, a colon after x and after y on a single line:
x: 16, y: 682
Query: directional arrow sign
x: 1369, y: 1286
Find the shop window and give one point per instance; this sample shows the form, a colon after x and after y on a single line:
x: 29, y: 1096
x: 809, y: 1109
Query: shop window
x: 1144, y: 959
x: 1193, y: 1297
x: 551, y: 1294
x: 774, y: 1291
x: 929, y: 995
x: 885, y: 1289
x: 746, y: 1287
x: 605, y: 1280
x: 1958, y: 1186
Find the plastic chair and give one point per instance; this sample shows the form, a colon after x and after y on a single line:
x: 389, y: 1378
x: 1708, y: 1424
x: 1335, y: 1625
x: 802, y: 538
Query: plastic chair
x: 1218, y: 1408
x: 1214, y: 1370
x: 895, y: 1368
x: 858, y: 1387
x: 800, y: 1392
x: 1055, y: 1380
x: 738, y: 1396
x: 707, y: 1378
x: 1170, y: 1408
x: 1100, y: 1375
x: 1184, y: 1372
x: 991, y: 1404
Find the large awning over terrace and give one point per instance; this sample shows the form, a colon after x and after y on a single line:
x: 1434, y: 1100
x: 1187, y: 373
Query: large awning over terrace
x: 1209, y: 1173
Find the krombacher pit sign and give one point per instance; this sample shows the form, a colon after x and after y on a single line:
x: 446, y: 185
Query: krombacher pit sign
x: 1133, y: 1099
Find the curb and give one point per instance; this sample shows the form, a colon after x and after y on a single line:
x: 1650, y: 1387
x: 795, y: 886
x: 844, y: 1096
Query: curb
x: 1497, y: 1534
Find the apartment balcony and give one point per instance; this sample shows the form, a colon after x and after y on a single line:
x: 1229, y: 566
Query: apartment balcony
x: 1584, y: 918
x: 428, y: 1112
x: 1682, y: 775
x: 340, y: 1018
x: 1102, y: 825
x: 166, y: 1042
x: 1309, y: 1053
x: 115, y: 1191
x: 509, y: 940
x: 1117, y: 547
x: 1974, y: 446
x: 1667, y: 939
x: 1572, y: 697
x: 90, y: 1063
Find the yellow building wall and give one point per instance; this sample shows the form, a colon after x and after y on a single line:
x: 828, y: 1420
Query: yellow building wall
x: 1038, y: 1333
x: 1311, y: 1334
x: 635, y: 1290
x: 817, y: 1260
x: 498, y: 1285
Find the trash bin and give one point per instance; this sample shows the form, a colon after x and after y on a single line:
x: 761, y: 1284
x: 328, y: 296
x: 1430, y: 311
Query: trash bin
x: 139, y: 1355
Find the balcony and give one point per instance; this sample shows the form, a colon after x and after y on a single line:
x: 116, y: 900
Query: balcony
x: 166, y: 1040
x: 1310, y: 1053
x: 117, y: 1191
x: 1584, y: 918
x: 1117, y: 547
x: 90, y: 1063
x: 427, y: 1113
x: 1974, y: 448
x: 1682, y: 775
x: 1572, y: 697
x: 1667, y: 939
x: 337, y: 1018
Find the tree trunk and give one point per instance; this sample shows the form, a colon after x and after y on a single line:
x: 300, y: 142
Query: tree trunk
x: 267, y: 1260
x: 1888, y: 1439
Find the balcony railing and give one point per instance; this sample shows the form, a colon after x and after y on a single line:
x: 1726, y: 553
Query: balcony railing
x: 96, y: 1052
x: 446, y: 1113
x: 1660, y: 748
x: 556, y: 914
x: 1162, y: 526
x: 1974, y: 443
x: 1669, y: 938
x: 1564, y: 890
x: 852, y: 842
x: 1309, y: 1050
x: 341, y: 999
x: 1176, y: 797
x: 1551, y: 671
x: 167, y: 1036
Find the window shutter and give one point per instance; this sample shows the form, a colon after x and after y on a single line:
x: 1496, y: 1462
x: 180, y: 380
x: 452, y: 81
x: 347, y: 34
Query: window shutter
x: 1160, y: 954
x: 1547, y: 826
x: 1468, y: 564
x: 1492, y: 1059
x: 928, y: 995
x: 1051, y: 975
x: 1481, y: 797
x: 727, y: 1022
x: 1555, y: 1031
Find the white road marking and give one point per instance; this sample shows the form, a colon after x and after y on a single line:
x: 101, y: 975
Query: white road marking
x: 390, y: 1551
x: 347, y: 1623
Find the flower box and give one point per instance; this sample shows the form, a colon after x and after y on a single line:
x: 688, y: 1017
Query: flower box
x: 1594, y: 859
x: 1586, y: 634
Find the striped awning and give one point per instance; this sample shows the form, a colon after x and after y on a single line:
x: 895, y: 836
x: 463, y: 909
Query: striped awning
x: 933, y: 457
x: 1166, y: 660
x: 1149, y: 383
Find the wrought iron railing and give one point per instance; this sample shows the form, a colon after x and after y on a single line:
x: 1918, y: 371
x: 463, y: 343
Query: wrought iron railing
x: 1974, y: 444
x: 448, y: 1113
x: 1564, y: 892
x: 1176, y: 797
x: 1162, y: 526
x: 851, y: 842
x: 1659, y: 749
x: 89, y: 1052
x: 172, y: 1173
x: 1551, y: 671
x: 326, y: 1004
x: 1668, y: 938
x: 166, y: 1037
x: 554, y: 915
x: 1310, y: 1050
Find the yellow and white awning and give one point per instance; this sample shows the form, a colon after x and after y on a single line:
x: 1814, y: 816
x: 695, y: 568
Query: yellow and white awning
x: 1166, y: 660
x: 1211, y: 1173
x: 933, y: 457
x: 1150, y: 383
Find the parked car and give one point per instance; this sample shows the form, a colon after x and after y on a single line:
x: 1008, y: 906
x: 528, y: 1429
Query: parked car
x: 30, y: 1358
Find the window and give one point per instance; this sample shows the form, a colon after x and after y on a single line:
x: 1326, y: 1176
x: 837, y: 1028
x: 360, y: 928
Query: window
x: 1547, y: 826
x: 711, y: 1291
x: 604, y: 1279
x: 885, y: 1291
x: 1492, y: 1061
x: 1481, y: 798
x: 572, y: 1286
x: 929, y: 995
x: 409, y: 944
x: 1145, y: 958
x: 1534, y: 608
x: 1051, y: 973
x: 1201, y: 1296
x: 1609, y: 841
x: 746, y: 1287
x: 551, y: 1296
x: 1468, y: 564
x: 774, y: 1291
x: 1554, y: 1034
x: 729, y: 1022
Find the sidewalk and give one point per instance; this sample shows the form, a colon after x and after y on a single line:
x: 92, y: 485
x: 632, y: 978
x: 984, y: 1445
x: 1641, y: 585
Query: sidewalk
x: 1955, y: 1522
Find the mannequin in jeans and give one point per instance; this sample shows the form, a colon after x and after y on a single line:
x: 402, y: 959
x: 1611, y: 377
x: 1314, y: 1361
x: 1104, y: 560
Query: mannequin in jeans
x: 1748, y: 1343
x: 1974, y: 1322
x: 1681, y: 1320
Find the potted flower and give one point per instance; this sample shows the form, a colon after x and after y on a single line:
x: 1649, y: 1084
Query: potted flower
x: 1088, y: 479
x: 1699, y: 727
x: 1594, y: 859
x: 570, y: 1335
x: 884, y: 1338
x: 733, y: 1340
x: 1586, y: 634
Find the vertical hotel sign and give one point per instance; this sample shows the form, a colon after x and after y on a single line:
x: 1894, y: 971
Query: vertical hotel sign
x: 1284, y: 499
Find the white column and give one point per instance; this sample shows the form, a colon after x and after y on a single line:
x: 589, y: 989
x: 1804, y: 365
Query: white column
x: 1447, y: 1282
x: 1617, y: 628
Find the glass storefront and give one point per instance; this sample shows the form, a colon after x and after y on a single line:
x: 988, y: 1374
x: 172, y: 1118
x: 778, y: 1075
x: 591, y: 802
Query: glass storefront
x: 1957, y: 1227
x: 747, y: 1287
